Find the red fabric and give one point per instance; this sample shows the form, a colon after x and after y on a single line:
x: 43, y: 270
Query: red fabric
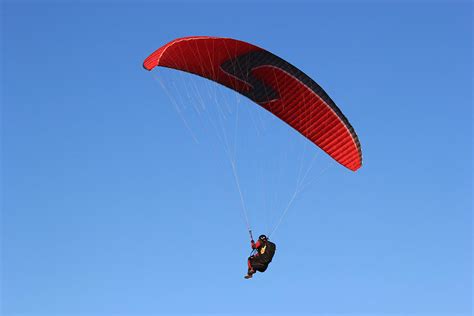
x: 308, y: 111
x: 255, y: 245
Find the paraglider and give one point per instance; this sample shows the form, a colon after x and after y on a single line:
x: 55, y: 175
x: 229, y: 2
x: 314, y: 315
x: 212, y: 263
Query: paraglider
x: 262, y: 254
x: 277, y: 86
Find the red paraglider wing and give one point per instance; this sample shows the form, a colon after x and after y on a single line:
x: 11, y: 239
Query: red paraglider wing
x: 271, y: 82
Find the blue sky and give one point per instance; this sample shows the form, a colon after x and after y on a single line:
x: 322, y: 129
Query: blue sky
x: 110, y: 207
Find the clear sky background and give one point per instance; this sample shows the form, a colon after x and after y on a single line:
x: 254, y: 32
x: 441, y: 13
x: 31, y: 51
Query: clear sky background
x: 110, y: 208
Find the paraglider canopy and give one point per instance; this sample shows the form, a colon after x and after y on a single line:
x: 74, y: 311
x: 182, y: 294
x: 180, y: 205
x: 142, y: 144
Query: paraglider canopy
x: 269, y: 81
